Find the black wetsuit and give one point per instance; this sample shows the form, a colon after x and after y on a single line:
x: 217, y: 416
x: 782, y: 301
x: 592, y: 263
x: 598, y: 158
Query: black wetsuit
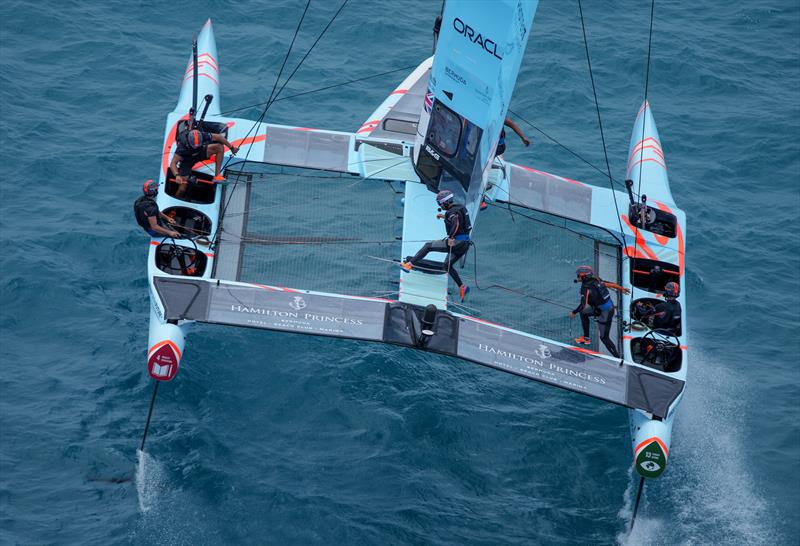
x: 501, y: 144
x: 666, y: 315
x: 191, y: 153
x: 458, y: 227
x: 144, y: 208
x: 596, y: 301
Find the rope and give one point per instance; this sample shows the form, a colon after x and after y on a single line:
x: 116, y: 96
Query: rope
x: 319, y: 89
x: 600, y: 122
x: 275, y: 96
x: 574, y: 153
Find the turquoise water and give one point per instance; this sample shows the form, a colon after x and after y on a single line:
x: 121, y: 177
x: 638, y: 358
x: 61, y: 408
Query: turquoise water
x: 278, y: 439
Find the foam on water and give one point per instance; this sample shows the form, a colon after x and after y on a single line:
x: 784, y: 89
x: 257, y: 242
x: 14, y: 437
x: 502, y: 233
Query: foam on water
x: 150, y: 480
x: 708, y: 484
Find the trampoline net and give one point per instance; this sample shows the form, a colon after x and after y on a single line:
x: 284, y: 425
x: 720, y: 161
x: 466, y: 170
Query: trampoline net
x: 328, y: 232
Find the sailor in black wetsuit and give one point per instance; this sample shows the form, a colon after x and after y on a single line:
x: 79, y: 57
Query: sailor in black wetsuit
x: 596, y: 301
x: 147, y: 214
x: 193, y: 146
x: 458, y: 227
x: 666, y: 315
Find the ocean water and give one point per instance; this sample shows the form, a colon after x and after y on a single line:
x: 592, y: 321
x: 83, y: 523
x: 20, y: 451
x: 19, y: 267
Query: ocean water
x: 266, y: 438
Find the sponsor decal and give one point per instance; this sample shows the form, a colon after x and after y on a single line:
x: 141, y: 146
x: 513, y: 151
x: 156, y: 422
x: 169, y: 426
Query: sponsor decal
x: 295, y: 304
x: 651, y: 460
x: 484, y: 94
x: 163, y: 363
x: 455, y: 76
x: 430, y: 150
x: 543, y: 351
x: 551, y: 367
x: 487, y: 44
x: 650, y: 466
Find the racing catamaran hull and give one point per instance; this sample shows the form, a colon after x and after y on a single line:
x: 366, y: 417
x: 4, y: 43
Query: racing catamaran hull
x: 388, y: 147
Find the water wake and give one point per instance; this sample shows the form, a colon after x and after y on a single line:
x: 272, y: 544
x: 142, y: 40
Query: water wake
x: 707, y: 494
x: 149, y: 481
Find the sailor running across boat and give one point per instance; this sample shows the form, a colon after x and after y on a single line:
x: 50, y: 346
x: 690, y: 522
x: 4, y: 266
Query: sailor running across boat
x: 595, y: 300
x: 194, y: 146
x: 458, y: 227
x: 147, y: 214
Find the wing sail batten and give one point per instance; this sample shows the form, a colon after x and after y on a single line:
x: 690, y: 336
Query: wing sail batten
x: 374, y: 319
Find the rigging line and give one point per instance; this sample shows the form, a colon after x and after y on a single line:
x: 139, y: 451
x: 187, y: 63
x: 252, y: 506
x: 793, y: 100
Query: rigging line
x: 327, y: 87
x: 600, y: 122
x: 264, y: 112
x: 321, y: 34
x: 518, y: 292
x: 577, y: 234
x: 576, y: 154
x: 286, y: 57
x: 272, y: 99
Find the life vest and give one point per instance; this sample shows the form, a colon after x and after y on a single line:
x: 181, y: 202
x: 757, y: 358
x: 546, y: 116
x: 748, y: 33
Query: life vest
x: 456, y: 219
x: 141, y: 207
x: 598, y: 293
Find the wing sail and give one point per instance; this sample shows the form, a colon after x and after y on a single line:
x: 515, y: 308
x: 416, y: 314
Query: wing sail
x: 375, y: 319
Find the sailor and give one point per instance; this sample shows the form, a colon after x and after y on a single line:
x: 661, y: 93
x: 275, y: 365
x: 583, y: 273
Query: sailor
x: 501, y: 144
x: 666, y: 315
x: 193, y: 146
x: 455, y: 245
x: 147, y: 214
x: 501, y: 147
x: 596, y: 301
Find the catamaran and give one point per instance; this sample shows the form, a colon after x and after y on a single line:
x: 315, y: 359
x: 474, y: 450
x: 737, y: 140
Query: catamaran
x: 271, y: 249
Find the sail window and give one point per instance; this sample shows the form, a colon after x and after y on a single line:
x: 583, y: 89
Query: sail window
x: 400, y: 126
x: 444, y: 129
x: 429, y: 169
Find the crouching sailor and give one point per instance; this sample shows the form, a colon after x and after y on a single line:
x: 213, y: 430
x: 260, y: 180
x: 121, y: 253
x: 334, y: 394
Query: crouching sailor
x: 147, y: 214
x: 455, y: 245
x: 194, y: 146
x: 596, y: 301
x: 666, y: 315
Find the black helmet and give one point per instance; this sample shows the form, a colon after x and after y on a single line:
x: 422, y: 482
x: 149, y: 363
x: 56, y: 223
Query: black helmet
x: 584, y: 272
x: 150, y: 187
x: 672, y: 290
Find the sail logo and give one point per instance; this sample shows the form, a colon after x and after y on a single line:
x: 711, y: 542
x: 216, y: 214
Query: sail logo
x: 488, y: 45
x: 298, y: 303
x: 432, y: 152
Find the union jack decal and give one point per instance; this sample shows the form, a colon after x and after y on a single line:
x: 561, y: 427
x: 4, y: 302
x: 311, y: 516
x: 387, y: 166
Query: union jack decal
x: 428, y: 101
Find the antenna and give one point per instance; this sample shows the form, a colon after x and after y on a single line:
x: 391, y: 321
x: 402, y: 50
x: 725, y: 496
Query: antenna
x: 193, y: 110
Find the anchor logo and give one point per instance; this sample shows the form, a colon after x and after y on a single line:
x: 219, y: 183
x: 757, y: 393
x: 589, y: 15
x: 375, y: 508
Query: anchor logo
x: 298, y: 303
x: 543, y: 351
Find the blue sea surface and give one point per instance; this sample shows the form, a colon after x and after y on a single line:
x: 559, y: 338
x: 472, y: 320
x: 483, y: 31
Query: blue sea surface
x: 267, y: 438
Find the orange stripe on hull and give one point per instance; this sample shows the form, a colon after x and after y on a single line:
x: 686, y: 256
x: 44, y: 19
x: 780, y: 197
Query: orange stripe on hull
x: 650, y: 440
x: 679, y: 233
x: 640, y: 241
x: 645, y: 161
x: 160, y: 344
